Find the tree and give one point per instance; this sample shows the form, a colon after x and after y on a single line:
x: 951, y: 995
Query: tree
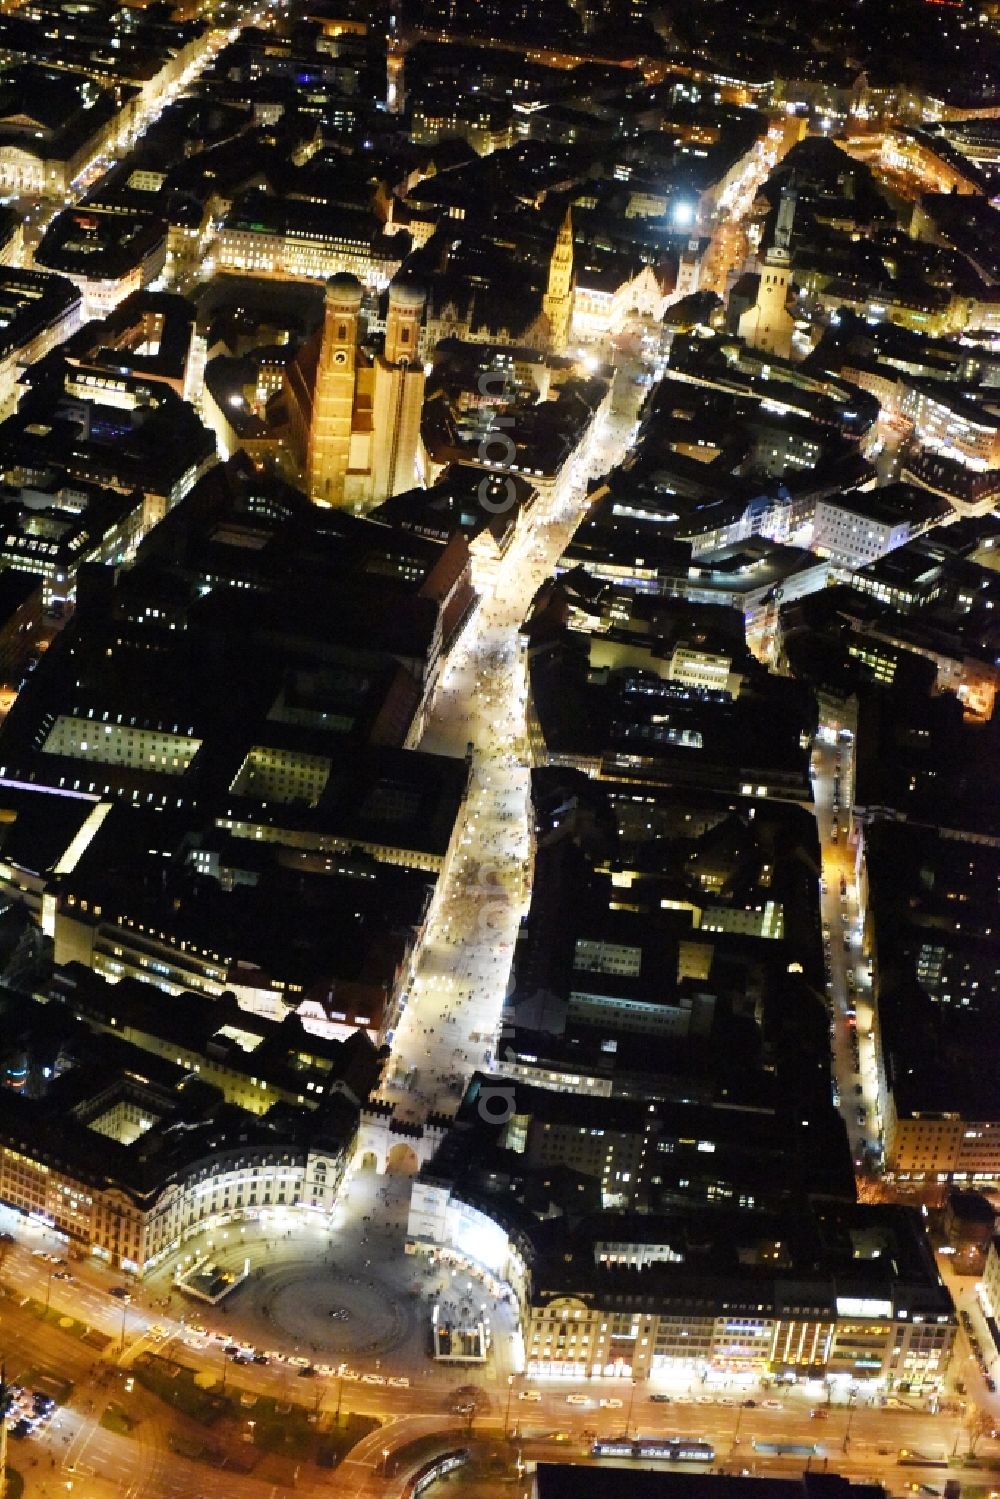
x: 978, y: 1424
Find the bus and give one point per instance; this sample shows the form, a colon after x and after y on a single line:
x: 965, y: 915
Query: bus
x: 437, y: 1467
x: 659, y: 1449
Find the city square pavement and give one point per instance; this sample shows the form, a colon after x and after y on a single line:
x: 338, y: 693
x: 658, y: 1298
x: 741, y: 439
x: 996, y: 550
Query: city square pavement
x: 347, y: 1293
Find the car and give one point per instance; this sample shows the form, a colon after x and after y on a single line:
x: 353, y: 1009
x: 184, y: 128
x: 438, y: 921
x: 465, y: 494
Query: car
x: 41, y: 1401
x: 818, y: 1413
x: 991, y: 1384
x: 660, y: 1399
x: 21, y: 1428
x: 611, y: 1405
x: 62, y: 1275
x: 533, y: 1395
x: 261, y: 1358
x: 121, y: 1293
x: 772, y: 1405
x: 400, y: 1381
x: 858, y: 1090
x: 373, y: 1379
x: 749, y: 1405
x: 299, y: 1360
x: 307, y: 1372
x: 577, y: 1400
x: 861, y: 1116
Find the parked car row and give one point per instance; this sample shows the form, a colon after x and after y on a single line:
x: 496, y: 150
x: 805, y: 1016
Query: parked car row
x: 245, y: 1353
x: 977, y: 1352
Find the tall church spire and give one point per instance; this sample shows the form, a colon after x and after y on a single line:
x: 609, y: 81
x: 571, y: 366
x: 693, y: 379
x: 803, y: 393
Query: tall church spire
x: 558, y: 300
x: 786, y: 218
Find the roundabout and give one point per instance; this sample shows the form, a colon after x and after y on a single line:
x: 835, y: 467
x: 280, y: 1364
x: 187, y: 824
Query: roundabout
x: 330, y: 1312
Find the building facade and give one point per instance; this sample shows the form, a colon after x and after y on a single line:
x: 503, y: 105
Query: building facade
x: 106, y: 1220
x: 625, y: 1309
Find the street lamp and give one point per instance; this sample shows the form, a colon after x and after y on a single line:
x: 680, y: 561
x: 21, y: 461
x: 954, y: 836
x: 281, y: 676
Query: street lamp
x: 385, y: 1462
x: 506, y: 1417
x: 850, y: 1421
x: 631, y: 1402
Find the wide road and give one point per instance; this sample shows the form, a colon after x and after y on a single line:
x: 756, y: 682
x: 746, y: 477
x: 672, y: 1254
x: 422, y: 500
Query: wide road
x: 452, y: 1020
x: 865, y: 1441
x: 854, y: 1076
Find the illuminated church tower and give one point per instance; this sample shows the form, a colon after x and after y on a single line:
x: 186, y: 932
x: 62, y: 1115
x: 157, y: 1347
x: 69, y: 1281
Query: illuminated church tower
x: 768, y: 324
x: 355, y: 420
x: 397, y: 397
x: 329, y: 453
x: 558, y: 300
